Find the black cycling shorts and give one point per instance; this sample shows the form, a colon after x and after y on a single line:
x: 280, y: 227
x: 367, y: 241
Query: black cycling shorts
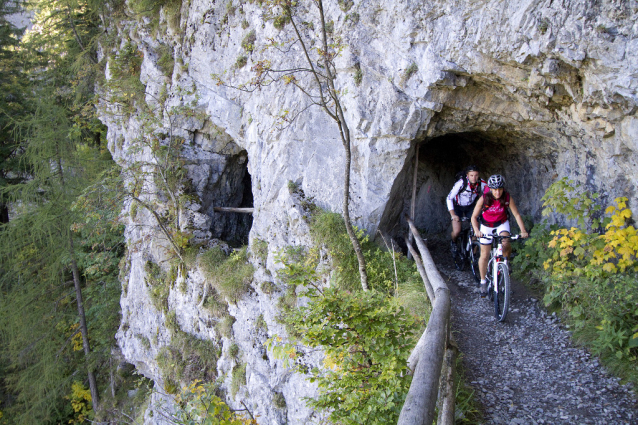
x: 464, y: 211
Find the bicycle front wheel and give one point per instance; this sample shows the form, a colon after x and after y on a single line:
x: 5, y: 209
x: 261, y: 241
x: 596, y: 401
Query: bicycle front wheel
x: 475, y: 253
x: 502, y: 296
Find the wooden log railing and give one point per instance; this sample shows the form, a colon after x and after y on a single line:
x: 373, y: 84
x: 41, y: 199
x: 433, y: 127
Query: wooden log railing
x: 234, y: 210
x: 432, y: 360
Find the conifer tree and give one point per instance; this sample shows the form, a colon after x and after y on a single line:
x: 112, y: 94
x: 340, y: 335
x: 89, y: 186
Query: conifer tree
x: 60, y: 150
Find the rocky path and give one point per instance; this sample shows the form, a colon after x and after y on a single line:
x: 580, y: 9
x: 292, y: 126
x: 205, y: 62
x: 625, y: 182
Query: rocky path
x: 526, y: 370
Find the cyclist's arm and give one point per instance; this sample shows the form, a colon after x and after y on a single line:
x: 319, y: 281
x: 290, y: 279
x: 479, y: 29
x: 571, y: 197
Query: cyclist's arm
x: 518, y: 218
x: 450, y: 198
x: 475, y: 215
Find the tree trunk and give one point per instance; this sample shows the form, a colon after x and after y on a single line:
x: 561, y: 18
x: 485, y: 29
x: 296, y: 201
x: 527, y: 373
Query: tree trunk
x: 363, y: 273
x: 4, y: 213
x: 344, y: 131
x: 78, y: 295
x: 83, y: 328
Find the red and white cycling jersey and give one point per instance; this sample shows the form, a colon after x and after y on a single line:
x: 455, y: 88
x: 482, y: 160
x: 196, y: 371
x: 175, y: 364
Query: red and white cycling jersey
x: 465, y: 197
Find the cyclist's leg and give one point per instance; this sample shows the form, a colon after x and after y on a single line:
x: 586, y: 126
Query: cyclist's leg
x: 456, y: 229
x: 504, y: 230
x: 486, y: 247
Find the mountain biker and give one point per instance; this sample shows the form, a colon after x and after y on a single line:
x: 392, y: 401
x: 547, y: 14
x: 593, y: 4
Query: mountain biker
x: 461, y: 199
x: 491, y: 209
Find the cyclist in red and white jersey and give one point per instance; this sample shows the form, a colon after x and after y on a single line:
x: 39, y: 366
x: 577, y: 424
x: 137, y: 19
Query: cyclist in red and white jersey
x: 461, y: 199
x: 491, y: 210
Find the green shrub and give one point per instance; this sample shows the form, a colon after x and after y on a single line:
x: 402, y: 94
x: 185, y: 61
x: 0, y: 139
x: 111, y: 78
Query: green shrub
x: 238, y: 378
x: 159, y: 285
x: 248, y: 42
x: 200, y: 403
x: 241, y: 61
x: 233, y: 350
x: 225, y: 326
x: 345, y: 5
x: 358, y: 76
x: 259, y: 249
x: 328, y: 230
x: 165, y: 62
x: 188, y: 358
x: 230, y: 276
x: 213, y: 303
x: 278, y: 400
x: 260, y: 324
x: 410, y: 71
x: 362, y: 381
x: 589, y: 274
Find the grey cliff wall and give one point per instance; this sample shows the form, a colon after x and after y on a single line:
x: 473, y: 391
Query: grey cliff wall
x: 535, y: 90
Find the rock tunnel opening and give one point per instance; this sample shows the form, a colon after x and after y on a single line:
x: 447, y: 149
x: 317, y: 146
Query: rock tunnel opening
x: 227, y: 183
x: 526, y: 162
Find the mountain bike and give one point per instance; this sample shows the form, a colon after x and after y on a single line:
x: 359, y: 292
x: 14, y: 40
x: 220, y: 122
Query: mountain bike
x: 467, y: 249
x: 498, y: 276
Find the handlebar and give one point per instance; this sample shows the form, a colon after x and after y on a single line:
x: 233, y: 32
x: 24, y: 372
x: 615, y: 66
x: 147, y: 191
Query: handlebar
x: 497, y: 237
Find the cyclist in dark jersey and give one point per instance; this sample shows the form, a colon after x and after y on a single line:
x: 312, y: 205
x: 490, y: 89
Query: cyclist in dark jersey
x: 491, y: 210
x: 461, y: 199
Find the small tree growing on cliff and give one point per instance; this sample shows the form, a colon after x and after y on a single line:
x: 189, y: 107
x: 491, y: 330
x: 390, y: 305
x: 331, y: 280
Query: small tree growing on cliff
x: 315, y: 77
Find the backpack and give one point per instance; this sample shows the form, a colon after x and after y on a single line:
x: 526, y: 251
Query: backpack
x: 463, y: 175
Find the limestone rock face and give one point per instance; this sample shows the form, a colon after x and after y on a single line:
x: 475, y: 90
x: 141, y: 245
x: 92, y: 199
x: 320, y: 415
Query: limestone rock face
x: 534, y: 90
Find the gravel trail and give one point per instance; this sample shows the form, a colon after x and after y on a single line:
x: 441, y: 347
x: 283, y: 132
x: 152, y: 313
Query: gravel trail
x: 526, y: 370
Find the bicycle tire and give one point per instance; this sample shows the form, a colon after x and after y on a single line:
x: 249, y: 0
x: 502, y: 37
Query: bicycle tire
x: 502, y: 298
x: 490, y: 285
x: 475, y: 253
x: 458, y: 257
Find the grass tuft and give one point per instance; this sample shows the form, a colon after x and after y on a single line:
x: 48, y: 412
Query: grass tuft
x: 230, y: 275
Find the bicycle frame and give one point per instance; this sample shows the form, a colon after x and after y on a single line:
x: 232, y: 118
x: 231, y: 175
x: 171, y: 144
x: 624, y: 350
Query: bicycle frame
x: 496, y: 256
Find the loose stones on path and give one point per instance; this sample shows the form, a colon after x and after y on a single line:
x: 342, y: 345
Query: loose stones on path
x: 526, y: 370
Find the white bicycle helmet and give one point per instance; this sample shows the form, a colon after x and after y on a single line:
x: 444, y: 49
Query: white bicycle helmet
x: 496, y: 181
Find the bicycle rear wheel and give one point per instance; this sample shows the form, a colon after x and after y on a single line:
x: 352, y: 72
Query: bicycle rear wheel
x: 458, y: 257
x: 475, y: 253
x: 502, y: 296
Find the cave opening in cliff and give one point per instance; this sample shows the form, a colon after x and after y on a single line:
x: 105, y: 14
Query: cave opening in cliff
x: 230, y: 186
x: 513, y: 154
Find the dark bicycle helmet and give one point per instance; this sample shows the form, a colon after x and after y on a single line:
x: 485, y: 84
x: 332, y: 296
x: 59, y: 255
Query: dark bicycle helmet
x: 472, y: 168
x: 496, y: 181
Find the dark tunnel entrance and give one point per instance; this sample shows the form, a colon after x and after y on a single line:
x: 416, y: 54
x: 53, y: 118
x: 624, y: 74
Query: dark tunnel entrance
x: 229, y: 185
x: 518, y: 157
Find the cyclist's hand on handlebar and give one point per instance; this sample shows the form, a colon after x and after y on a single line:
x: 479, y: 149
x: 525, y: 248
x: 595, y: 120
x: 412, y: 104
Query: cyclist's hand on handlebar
x: 524, y: 235
x: 479, y: 234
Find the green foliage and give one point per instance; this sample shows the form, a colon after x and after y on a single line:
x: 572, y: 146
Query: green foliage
x: 278, y: 400
x: 569, y: 199
x: 230, y: 276
x: 166, y: 62
x: 328, y: 230
x: 238, y: 378
x: 409, y: 72
x: 248, y: 42
x: 225, y: 326
x: 241, y: 61
x: 188, y: 358
x: 199, y: 404
x: 259, y: 249
x: 233, y: 350
x: 345, y: 5
x: 260, y: 324
x: 358, y: 76
x: 367, y: 338
x: 159, y: 285
x: 590, y: 272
